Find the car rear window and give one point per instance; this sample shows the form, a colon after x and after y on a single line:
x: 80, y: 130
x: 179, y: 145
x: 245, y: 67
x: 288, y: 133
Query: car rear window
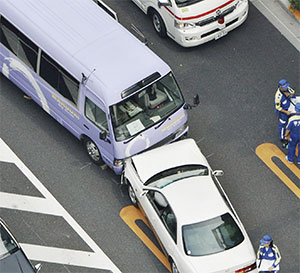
x: 211, y: 236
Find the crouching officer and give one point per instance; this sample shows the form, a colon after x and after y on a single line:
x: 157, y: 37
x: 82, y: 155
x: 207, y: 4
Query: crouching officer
x: 268, y: 256
x: 282, y: 103
x: 293, y: 133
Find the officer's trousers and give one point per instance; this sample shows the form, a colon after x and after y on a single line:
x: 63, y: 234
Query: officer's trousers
x: 282, y: 122
x: 294, y: 140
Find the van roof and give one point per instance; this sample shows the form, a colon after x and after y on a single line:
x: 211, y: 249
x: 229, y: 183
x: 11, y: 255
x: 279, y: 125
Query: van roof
x: 81, y: 37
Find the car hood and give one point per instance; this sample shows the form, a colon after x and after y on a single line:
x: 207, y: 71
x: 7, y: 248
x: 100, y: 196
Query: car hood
x: 203, y: 9
x: 179, y: 153
x: 16, y: 263
x: 225, y: 262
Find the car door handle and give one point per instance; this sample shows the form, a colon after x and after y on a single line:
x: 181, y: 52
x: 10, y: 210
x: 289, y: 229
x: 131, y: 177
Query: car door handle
x: 86, y: 127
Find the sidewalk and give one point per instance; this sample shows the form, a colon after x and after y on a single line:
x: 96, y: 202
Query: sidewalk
x: 285, y: 4
x: 282, y: 17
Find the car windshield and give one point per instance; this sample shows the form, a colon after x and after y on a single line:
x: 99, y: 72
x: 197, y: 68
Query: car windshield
x: 211, y: 236
x: 145, y: 108
x: 183, y: 3
x: 7, y: 243
x: 170, y: 176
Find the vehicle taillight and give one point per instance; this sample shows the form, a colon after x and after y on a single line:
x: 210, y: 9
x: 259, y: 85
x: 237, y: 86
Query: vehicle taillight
x: 246, y: 269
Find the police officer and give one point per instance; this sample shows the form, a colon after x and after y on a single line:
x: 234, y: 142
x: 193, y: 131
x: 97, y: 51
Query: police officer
x: 293, y: 132
x: 269, y: 253
x: 282, y: 103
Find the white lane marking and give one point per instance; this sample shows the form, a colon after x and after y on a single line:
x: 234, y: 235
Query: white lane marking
x: 96, y: 259
x: 29, y: 203
x: 62, y: 256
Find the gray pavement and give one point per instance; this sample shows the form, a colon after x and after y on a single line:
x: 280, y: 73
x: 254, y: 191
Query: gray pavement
x: 278, y: 13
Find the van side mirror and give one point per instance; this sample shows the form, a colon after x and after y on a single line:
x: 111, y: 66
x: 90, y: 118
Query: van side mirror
x: 103, y: 135
x: 164, y: 3
x: 196, y: 101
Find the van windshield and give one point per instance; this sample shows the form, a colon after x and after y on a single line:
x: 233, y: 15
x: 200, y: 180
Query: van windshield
x: 145, y: 108
x: 183, y: 3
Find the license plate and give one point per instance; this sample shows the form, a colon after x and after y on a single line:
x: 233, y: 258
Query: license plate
x: 221, y: 34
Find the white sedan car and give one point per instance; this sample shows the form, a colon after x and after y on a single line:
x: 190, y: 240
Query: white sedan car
x: 189, y: 212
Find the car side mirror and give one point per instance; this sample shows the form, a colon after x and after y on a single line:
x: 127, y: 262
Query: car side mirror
x: 38, y: 267
x: 103, y: 135
x: 144, y: 192
x: 218, y: 173
x: 164, y: 3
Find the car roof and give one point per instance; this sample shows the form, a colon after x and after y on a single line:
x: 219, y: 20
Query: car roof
x: 178, y: 153
x: 195, y: 199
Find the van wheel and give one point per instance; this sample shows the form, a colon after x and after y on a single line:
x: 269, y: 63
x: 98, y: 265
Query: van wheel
x: 174, y: 267
x: 92, y: 151
x: 158, y: 24
x: 132, y: 196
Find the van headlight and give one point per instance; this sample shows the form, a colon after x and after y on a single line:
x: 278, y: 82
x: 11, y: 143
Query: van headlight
x: 118, y: 162
x: 182, y: 25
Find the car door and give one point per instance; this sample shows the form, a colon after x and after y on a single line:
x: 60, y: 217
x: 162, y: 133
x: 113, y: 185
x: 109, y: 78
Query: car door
x: 162, y: 219
x: 96, y: 123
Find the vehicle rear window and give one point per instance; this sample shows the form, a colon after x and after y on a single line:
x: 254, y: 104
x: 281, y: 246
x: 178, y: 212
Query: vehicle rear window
x: 211, y: 236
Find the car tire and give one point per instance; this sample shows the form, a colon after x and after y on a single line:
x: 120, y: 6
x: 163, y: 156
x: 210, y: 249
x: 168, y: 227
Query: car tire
x: 174, y: 268
x: 92, y: 151
x: 158, y: 24
x: 132, y: 196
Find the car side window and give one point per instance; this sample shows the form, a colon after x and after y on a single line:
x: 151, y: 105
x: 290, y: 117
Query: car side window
x: 164, y: 211
x: 96, y: 115
x: 170, y: 222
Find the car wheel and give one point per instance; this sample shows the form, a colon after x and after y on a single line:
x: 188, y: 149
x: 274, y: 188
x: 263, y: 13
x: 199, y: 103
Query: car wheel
x: 132, y: 196
x: 93, y: 151
x: 158, y: 24
x: 174, y: 267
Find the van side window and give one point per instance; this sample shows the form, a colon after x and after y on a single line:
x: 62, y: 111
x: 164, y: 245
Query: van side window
x: 96, y: 115
x: 59, y: 78
x: 18, y: 44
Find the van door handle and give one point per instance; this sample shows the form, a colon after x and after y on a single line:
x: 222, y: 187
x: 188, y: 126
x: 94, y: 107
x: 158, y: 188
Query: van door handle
x: 86, y: 127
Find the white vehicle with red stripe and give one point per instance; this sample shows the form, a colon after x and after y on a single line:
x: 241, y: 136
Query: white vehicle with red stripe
x: 194, y: 22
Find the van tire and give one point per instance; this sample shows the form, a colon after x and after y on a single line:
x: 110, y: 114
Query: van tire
x: 92, y: 151
x: 158, y: 24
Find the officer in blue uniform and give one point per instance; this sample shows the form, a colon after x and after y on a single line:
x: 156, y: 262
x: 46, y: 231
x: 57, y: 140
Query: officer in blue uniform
x: 282, y: 103
x: 293, y: 132
x: 269, y: 252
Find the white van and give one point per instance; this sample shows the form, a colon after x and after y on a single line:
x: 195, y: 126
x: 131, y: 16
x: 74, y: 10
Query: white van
x: 194, y: 22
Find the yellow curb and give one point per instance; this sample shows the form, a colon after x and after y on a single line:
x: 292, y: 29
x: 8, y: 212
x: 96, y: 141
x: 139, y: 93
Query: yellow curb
x: 295, y: 12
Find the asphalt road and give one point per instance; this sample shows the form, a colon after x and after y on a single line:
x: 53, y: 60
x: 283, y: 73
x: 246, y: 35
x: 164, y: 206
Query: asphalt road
x: 236, y: 79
